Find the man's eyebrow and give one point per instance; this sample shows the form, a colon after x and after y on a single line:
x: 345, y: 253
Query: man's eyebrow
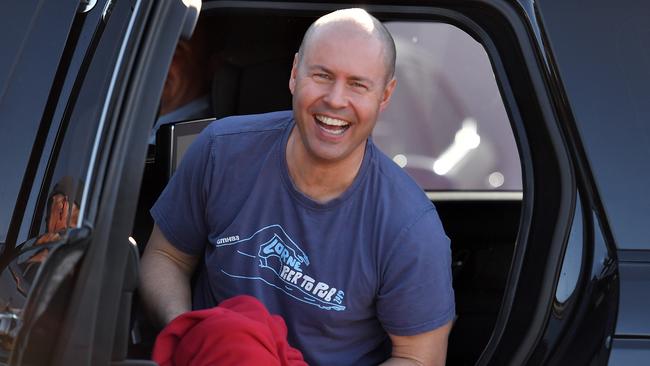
x: 320, y: 68
x: 362, y: 79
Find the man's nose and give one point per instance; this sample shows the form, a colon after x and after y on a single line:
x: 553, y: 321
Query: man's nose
x: 336, y: 95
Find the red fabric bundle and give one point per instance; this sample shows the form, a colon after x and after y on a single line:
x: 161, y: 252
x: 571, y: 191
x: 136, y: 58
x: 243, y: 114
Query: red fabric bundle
x: 240, y: 331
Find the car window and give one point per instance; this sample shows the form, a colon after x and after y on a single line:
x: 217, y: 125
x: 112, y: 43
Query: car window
x: 26, y: 78
x: 79, y: 130
x: 446, y: 123
x: 68, y: 159
x: 604, y: 63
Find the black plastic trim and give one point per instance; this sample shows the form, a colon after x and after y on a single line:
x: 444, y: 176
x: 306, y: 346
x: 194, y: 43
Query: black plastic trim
x: 635, y: 256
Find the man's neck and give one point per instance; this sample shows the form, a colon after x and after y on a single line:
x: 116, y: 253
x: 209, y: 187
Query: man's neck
x: 320, y: 180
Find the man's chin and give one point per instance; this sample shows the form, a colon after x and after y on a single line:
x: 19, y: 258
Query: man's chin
x: 327, y: 155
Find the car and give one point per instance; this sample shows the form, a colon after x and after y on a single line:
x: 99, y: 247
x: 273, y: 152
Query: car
x: 523, y: 121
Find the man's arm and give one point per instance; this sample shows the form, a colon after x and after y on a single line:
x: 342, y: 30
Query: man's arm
x: 165, y: 274
x: 423, y: 349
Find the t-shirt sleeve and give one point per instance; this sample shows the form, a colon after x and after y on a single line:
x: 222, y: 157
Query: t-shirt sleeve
x: 180, y: 211
x: 415, y: 294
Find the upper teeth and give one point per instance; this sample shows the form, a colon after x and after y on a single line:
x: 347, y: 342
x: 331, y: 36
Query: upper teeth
x: 332, y: 121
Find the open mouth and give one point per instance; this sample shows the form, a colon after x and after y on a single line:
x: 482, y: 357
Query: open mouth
x: 331, y: 125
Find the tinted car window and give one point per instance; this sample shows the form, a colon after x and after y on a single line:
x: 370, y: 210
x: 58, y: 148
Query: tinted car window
x: 68, y: 160
x: 62, y: 194
x: 29, y: 31
x: 446, y: 124
x: 604, y: 62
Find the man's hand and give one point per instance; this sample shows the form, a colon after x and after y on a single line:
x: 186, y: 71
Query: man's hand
x: 165, y: 274
x: 426, y: 349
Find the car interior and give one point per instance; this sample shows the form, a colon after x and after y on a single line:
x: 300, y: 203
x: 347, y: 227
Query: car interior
x: 254, y: 53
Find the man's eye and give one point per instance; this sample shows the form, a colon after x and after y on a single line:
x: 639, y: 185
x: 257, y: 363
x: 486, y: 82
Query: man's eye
x: 322, y: 76
x: 358, y: 85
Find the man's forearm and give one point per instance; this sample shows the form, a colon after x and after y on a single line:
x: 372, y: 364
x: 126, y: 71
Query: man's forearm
x: 165, y: 274
x: 164, y: 288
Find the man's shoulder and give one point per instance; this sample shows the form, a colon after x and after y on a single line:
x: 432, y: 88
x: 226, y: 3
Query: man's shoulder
x: 250, y: 124
x: 398, y: 185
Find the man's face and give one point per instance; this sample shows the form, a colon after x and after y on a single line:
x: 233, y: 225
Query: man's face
x: 339, y: 87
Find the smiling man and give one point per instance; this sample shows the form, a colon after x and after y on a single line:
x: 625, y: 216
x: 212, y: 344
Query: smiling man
x: 341, y: 79
x: 302, y: 211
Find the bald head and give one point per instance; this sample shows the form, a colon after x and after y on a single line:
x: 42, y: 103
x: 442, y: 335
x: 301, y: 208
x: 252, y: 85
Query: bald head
x: 361, y: 23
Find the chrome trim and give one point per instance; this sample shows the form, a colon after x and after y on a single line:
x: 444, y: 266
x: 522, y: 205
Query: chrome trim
x: 86, y: 5
x: 172, y: 153
x: 108, y: 7
x: 475, y: 195
x: 102, y: 118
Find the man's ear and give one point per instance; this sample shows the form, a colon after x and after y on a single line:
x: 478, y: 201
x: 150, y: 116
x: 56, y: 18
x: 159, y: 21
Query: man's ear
x: 387, y: 93
x: 294, y: 72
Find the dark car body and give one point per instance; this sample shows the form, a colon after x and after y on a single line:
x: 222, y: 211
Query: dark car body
x: 555, y: 272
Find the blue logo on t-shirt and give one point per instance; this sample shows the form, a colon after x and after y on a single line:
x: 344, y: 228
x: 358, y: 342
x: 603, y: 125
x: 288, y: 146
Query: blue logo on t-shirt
x: 279, y: 257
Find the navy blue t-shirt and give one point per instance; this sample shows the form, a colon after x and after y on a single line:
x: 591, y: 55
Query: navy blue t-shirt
x: 342, y: 274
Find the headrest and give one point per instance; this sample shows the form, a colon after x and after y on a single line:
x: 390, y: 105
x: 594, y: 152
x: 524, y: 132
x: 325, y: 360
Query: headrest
x: 248, y: 88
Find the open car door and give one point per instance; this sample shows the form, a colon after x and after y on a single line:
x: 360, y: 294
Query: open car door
x: 68, y: 267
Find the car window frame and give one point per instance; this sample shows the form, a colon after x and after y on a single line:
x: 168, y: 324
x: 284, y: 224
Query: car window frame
x: 108, y: 268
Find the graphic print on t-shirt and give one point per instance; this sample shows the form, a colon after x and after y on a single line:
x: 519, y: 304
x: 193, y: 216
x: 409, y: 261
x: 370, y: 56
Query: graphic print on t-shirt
x: 283, y: 265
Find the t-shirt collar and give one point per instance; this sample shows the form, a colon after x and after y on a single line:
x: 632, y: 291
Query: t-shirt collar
x: 306, y: 200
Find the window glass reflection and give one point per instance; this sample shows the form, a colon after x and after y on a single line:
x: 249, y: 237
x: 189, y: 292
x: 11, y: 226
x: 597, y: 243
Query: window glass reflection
x: 446, y: 124
x: 61, y: 213
x: 18, y: 276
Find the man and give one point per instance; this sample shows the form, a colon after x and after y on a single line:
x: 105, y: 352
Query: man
x: 301, y: 210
